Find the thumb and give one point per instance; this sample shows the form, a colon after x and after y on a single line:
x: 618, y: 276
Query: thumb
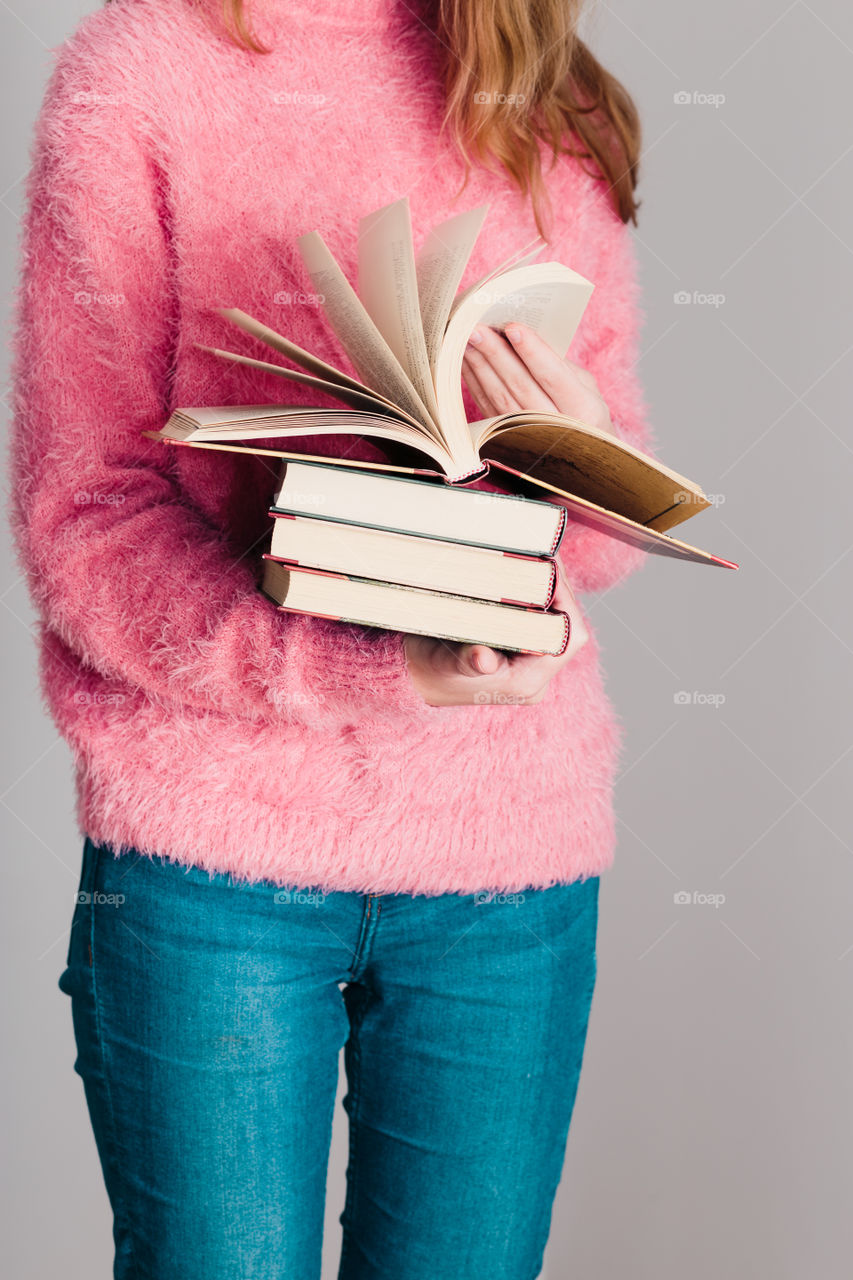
x: 478, y: 660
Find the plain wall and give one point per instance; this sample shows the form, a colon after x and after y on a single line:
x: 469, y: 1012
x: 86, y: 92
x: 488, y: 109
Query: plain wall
x: 712, y: 1128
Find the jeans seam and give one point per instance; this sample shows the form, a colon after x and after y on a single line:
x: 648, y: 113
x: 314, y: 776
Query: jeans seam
x: 122, y: 1212
x: 352, y: 1153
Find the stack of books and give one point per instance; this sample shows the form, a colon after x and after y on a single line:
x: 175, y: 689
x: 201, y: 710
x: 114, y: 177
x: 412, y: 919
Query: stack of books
x: 429, y: 559
x: 418, y: 548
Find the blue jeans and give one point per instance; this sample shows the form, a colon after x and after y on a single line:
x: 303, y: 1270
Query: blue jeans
x: 208, y: 1017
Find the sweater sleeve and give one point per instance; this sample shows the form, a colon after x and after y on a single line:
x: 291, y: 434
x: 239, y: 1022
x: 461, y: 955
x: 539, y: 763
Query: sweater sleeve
x: 134, y: 579
x: 607, y: 345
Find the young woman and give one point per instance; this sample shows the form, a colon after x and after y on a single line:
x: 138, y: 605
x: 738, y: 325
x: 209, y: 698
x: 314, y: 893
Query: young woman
x: 303, y: 834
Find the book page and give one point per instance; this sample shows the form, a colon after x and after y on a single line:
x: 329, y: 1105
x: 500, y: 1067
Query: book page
x: 518, y: 259
x: 388, y: 288
x: 285, y: 347
x: 594, y: 465
x: 272, y: 422
x: 373, y: 358
x: 440, y: 266
x: 353, y: 396
x: 582, y: 511
x: 548, y: 296
x: 548, y: 301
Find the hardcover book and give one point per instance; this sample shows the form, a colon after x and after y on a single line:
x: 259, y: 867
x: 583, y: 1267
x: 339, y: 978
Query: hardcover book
x: 429, y: 613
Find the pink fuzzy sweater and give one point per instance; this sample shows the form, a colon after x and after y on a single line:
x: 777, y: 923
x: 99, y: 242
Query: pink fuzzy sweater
x: 172, y: 174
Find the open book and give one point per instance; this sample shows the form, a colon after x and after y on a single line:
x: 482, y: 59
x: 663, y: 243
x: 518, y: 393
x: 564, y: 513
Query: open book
x: 405, y: 332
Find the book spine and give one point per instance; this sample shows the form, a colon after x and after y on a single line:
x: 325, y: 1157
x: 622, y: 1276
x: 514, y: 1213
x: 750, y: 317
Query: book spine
x: 567, y: 631
x: 560, y: 531
x: 467, y: 477
x: 553, y: 587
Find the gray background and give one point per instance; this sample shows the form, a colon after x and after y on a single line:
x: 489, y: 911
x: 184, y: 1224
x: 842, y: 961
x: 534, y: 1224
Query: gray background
x: 712, y: 1129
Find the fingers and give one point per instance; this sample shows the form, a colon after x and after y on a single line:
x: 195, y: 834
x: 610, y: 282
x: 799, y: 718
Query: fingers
x: 502, y: 376
x: 482, y: 401
x: 521, y: 372
x: 571, y: 388
x: 556, y: 377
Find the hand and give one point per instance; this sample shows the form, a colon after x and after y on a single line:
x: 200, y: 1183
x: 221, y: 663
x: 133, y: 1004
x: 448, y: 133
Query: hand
x: 446, y: 674
x: 520, y: 371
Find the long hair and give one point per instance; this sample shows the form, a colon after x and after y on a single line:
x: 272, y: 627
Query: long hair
x: 516, y: 74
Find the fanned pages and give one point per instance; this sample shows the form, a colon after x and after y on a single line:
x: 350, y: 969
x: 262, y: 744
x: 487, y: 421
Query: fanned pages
x: 388, y: 288
x: 364, y: 344
x: 440, y: 267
